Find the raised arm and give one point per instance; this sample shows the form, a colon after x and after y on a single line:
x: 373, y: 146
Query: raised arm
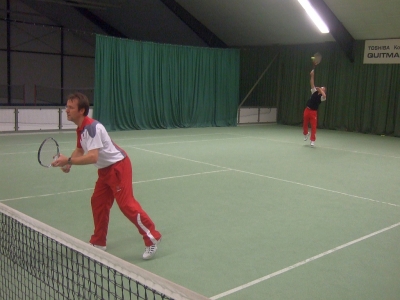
x: 312, y: 79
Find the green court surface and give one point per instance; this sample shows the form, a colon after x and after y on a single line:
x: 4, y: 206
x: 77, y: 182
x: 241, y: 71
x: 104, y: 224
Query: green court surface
x: 247, y: 212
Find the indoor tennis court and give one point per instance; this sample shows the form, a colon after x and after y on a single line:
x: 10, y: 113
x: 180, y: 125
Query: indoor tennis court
x: 246, y: 212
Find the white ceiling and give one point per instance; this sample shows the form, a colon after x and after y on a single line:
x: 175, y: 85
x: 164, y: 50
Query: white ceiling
x: 368, y: 19
x: 256, y: 22
x: 235, y: 22
x: 266, y: 22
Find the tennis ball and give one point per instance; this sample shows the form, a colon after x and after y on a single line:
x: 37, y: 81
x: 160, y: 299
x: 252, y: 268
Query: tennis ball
x: 312, y: 57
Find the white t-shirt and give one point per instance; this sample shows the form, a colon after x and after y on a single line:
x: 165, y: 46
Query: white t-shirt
x: 313, y: 90
x: 93, y: 135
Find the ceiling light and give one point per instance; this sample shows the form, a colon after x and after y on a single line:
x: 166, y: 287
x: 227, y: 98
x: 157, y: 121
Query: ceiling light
x: 314, y: 16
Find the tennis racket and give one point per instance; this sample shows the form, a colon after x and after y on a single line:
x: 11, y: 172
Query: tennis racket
x: 316, y: 59
x: 48, y: 152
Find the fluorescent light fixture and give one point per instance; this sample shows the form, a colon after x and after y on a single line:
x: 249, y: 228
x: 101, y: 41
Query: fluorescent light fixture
x: 314, y: 16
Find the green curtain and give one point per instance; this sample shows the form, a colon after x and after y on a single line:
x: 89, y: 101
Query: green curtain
x: 360, y: 97
x: 143, y: 85
x: 258, y: 86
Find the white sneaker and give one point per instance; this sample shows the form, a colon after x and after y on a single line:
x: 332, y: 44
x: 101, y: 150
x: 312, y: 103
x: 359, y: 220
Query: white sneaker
x: 306, y: 136
x: 312, y: 143
x: 104, y: 248
x: 150, y: 251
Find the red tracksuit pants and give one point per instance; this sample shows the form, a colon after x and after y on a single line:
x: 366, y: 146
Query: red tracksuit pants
x: 115, y: 182
x: 310, y: 117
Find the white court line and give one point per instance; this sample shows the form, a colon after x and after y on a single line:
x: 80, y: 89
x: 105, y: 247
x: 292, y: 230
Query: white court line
x: 317, y: 188
x: 30, y: 152
x: 255, y: 174
x: 234, y: 134
x: 254, y: 282
x: 180, y: 176
x: 165, y: 136
x: 135, y: 182
x: 161, y: 143
x: 273, y: 140
x: 183, y: 158
x: 195, y: 141
x: 124, y: 139
x: 322, y: 147
x: 45, y: 195
x: 269, y: 177
x: 185, y: 142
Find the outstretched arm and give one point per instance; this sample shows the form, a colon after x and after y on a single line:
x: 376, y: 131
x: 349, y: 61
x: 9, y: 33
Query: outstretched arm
x: 312, y: 79
x: 77, y: 158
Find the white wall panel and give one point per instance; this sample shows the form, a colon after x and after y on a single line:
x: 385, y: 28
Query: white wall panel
x: 257, y: 115
x: 7, y: 119
x: 38, y: 119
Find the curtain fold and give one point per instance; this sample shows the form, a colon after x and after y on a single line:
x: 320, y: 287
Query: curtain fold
x: 143, y: 85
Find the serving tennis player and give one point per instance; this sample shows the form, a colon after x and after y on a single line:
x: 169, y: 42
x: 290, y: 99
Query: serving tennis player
x: 318, y: 94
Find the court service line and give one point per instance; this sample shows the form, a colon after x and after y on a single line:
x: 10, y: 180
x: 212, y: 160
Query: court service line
x: 164, y: 136
x: 118, y: 139
x: 161, y: 143
x: 181, y: 176
x: 269, y: 177
x: 45, y: 195
x: 134, y: 182
x: 234, y: 134
x: 301, y: 263
x: 30, y: 152
x: 185, y: 142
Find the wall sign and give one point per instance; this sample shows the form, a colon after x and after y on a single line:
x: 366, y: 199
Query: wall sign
x: 382, y: 51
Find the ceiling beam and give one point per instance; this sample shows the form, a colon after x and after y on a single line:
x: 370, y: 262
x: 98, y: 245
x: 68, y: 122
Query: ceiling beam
x: 336, y: 28
x: 202, y: 31
x: 86, y: 4
x: 107, y: 28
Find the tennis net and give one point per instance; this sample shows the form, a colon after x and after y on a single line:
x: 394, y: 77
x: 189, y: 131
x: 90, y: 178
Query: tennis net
x: 41, y: 262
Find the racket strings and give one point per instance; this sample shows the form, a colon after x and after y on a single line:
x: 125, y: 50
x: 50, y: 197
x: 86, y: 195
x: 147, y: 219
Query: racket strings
x: 317, y: 58
x: 48, y: 153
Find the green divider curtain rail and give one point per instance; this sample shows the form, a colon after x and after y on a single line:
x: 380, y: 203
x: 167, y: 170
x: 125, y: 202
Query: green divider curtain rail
x: 144, y: 85
x: 360, y: 97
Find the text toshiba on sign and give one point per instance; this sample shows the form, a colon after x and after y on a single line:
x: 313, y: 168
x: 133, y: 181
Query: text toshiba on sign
x: 382, y: 51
